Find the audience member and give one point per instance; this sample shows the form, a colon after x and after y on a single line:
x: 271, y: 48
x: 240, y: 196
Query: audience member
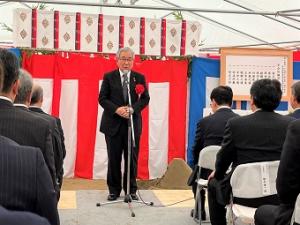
x: 19, y: 125
x: 36, y: 103
x: 25, y: 183
x: 22, y: 102
x: 210, y: 131
x: 8, y: 217
x: 295, y: 100
x: 252, y: 138
x: 287, y: 183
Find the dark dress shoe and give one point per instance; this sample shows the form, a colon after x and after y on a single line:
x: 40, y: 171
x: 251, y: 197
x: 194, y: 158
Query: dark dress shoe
x: 112, y: 197
x: 134, y: 197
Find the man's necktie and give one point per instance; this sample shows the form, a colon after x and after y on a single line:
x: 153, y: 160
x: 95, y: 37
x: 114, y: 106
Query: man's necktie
x: 125, y: 93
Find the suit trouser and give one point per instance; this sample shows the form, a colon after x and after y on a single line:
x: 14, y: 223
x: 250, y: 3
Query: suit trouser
x: 217, y: 212
x: 273, y: 214
x: 116, y: 146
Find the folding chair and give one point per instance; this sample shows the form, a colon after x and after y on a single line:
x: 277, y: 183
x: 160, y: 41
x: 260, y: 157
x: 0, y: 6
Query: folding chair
x: 207, y: 159
x: 296, y: 215
x: 251, y: 181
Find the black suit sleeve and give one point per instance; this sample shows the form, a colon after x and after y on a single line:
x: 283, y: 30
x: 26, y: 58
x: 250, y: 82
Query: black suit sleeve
x: 62, y: 136
x: 288, y: 177
x: 226, y: 154
x: 199, y: 142
x: 46, y: 196
x: 49, y: 156
x: 144, y: 99
x: 104, y: 96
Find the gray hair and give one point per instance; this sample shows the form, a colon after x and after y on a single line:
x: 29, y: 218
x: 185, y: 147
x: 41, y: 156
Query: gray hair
x: 25, y: 86
x: 125, y: 49
x: 296, y: 91
x: 37, y: 94
x: 1, y: 75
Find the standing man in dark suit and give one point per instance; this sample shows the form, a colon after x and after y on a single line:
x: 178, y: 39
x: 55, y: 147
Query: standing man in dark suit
x: 57, y: 131
x: 252, y: 138
x: 210, y: 131
x: 25, y: 183
x: 287, y: 182
x: 20, y: 125
x: 8, y: 217
x: 295, y: 100
x: 113, y: 98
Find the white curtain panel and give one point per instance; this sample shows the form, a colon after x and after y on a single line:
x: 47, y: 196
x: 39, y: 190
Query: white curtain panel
x: 152, y: 36
x: 22, y: 19
x: 68, y: 114
x: 132, y: 33
x: 110, y: 34
x: 193, y: 31
x: 173, y: 37
x: 67, y: 31
x: 158, y: 129
x: 45, y: 29
x: 89, y: 32
x: 100, y: 154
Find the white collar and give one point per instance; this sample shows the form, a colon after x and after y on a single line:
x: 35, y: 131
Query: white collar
x: 6, y: 98
x: 21, y: 105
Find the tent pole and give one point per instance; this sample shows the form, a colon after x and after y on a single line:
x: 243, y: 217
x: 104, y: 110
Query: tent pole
x: 269, y: 17
x: 158, y: 8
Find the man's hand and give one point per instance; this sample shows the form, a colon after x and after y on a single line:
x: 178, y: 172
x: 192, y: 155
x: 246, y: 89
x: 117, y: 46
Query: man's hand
x: 211, y: 176
x: 123, y: 111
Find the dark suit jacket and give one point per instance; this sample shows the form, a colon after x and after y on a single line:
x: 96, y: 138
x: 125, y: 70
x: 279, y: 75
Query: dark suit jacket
x: 111, y: 97
x: 57, y: 138
x: 252, y: 138
x: 25, y: 181
x: 210, y: 130
x: 288, y: 176
x: 295, y: 114
x: 8, y: 217
x: 27, y: 129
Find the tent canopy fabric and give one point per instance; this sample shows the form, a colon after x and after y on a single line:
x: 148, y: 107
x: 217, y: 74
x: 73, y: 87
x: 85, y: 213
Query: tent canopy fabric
x: 219, y: 29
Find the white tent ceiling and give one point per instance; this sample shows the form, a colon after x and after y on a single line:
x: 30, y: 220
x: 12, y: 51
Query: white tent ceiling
x: 219, y: 29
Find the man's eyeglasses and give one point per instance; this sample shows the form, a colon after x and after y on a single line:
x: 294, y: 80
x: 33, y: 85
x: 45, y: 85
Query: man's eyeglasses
x: 126, y: 59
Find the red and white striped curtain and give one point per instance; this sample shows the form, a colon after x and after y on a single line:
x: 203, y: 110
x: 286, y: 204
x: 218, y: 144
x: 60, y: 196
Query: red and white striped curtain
x: 104, y: 33
x: 71, y: 84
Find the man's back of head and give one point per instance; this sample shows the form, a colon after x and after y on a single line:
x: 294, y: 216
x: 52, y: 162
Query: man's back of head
x: 25, y: 88
x: 295, y: 97
x: 11, y: 67
x: 36, y: 96
x: 266, y: 94
x: 221, y: 96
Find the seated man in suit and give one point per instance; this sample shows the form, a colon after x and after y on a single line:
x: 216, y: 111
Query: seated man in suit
x: 210, y: 131
x: 15, y: 123
x: 252, y: 138
x: 8, y: 217
x: 287, y: 183
x: 36, y: 103
x: 295, y: 100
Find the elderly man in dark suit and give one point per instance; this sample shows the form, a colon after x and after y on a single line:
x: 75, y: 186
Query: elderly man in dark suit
x: 210, y: 131
x: 295, y: 100
x: 113, y: 98
x: 253, y: 138
x: 57, y: 131
x: 287, y: 183
x: 20, y: 125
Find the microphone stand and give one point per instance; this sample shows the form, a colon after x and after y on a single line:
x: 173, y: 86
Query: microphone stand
x: 130, y: 145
